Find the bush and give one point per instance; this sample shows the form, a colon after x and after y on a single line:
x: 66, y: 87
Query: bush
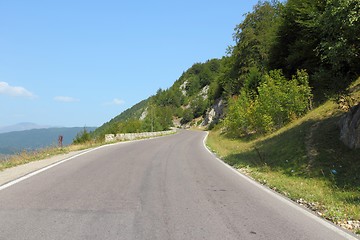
x: 278, y: 102
x: 82, y: 137
x: 199, y: 106
x: 188, y: 116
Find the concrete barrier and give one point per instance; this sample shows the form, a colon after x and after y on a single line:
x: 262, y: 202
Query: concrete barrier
x: 133, y: 136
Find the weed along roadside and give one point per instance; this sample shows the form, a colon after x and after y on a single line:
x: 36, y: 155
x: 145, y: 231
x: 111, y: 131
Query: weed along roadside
x: 305, y: 161
x: 42, y: 154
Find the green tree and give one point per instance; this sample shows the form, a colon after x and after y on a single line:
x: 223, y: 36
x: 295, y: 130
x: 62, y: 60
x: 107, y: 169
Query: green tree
x: 339, y: 46
x: 199, y: 106
x: 252, y: 81
x: 188, y: 116
x: 298, y: 37
x: 193, y: 86
x: 130, y: 126
x: 82, y: 137
x: 321, y: 37
x: 254, y: 38
x: 158, y: 118
x: 239, y: 118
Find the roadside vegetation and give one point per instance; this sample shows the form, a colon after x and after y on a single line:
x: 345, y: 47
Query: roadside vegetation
x: 290, y: 58
x: 188, y: 99
x: 305, y: 161
x: 308, y: 50
x: 82, y: 141
x: 44, y: 153
x: 291, y: 74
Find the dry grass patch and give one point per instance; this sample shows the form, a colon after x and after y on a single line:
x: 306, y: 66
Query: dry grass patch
x: 30, y: 156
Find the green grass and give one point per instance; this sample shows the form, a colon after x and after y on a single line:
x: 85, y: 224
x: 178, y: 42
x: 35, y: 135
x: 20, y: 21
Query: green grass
x: 304, y: 160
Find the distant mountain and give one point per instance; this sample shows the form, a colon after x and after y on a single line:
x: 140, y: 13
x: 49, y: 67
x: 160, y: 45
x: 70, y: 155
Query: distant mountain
x: 17, y: 141
x: 22, y: 127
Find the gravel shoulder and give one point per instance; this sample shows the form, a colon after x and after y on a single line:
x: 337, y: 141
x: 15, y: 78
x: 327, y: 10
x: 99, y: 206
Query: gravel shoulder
x: 11, y: 174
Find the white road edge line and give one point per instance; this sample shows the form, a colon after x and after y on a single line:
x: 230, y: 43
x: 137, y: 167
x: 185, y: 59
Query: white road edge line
x: 26, y: 176
x: 31, y: 174
x: 288, y: 202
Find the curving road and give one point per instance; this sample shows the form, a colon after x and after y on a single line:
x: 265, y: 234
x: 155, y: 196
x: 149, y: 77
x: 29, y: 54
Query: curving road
x: 164, y: 188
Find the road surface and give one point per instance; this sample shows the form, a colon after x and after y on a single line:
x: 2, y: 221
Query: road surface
x: 164, y: 188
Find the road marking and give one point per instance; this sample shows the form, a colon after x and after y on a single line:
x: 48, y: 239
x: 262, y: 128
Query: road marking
x: 31, y: 174
x: 283, y: 199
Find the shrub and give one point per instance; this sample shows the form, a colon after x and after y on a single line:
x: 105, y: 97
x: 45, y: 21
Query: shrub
x: 278, y: 102
x: 82, y: 137
x: 188, y: 116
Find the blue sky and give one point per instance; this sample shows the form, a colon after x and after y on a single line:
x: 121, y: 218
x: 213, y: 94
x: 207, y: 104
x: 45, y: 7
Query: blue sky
x: 82, y: 62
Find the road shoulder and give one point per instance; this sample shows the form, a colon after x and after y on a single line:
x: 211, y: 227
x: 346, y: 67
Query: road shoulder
x: 11, y: 174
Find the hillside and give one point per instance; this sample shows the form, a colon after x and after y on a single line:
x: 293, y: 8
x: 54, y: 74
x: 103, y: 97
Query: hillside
x: 305, y: 160
x: 132, y: 113
x: 287, y: 58
x: 190, y: 97
x: 22, y: 127
x: 275, y: 101
x: 15, y: 142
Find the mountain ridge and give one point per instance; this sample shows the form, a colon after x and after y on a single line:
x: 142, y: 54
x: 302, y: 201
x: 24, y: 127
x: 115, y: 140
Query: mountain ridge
x: 33, y: 139
x: 22, y: 126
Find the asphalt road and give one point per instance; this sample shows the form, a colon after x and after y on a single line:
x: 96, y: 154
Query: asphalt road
x: 164, y: 188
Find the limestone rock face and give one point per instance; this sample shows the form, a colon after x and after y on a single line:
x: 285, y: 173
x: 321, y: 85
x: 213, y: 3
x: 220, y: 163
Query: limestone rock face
x: 214, y: 113
x: 144, y: 114
x: 350, y: 128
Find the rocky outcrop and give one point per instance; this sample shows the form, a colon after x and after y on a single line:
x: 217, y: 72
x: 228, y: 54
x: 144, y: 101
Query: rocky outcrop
x: 350, y: 128
x: 183, y: 87
x: 214, y: 113
x: 144, y: 114
x: 204, y: 92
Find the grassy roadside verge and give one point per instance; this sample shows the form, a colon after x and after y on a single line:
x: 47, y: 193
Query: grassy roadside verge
x: 31, y: 156
x: 304, y: 161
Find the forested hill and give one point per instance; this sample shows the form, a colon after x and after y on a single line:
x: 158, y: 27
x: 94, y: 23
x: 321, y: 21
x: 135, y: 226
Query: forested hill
x: 132, y: 113
x: 287, y: 57
x: 189, y: 98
